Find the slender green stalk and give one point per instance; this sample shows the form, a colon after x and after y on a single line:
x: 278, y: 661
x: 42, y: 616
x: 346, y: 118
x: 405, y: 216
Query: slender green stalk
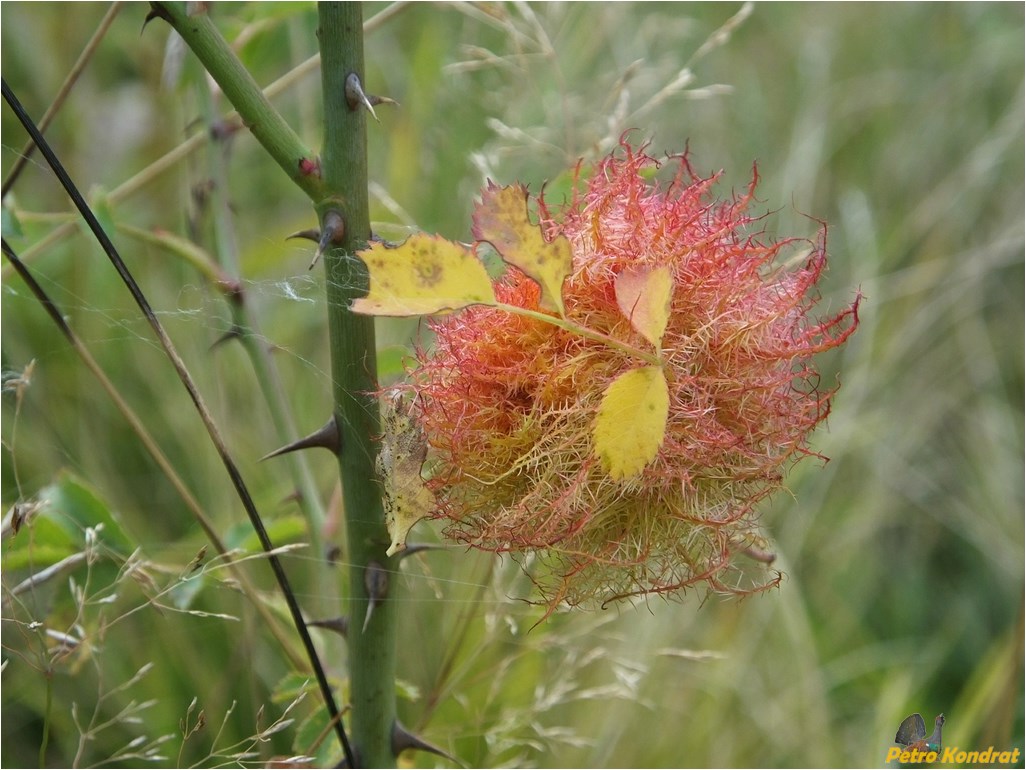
x: 198, y: 258
x: 47, y: 716
x: 171, y: 159
x: 372, y: 638
x: 62, y: 94
x: 340, y: 195
x: 267, y: 125
x: 213, y: 432
x: 584, y: 331
x: 248, y: 334
x: 166, y: 466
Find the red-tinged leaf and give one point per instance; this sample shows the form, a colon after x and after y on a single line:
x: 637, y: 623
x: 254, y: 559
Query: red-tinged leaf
x: 644, y: 297
x: 501, y: 219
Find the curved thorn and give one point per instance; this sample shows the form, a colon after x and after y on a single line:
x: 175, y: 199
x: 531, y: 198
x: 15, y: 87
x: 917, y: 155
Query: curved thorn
x: 333, y: 232
x: 412, y: 548
x: 382, y: 100
x: 339, y: 625
x: 329, y: 437
x: 375, y: 580
x: 403, y: 739
x: 757, y: 550
x: 313, y: 234
x: 295, y: 496
x: 322, y: 244
x: 156, y: 12
x: 760, y: 555
x: 234, y: 333
x: 355, y: 97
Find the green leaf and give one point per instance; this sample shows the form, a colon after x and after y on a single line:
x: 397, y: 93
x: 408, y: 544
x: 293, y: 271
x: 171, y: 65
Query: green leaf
x: 27, y: 553
x: 501, y: 220
x: 292, y: 685
x: 316, y: 738
x: 282, y: 530
x: 569, y: 183
x: 66, y: 509
x: 423, y: 275
x: 631, y: 421
x: 11, y: 226
x: 76, y: 506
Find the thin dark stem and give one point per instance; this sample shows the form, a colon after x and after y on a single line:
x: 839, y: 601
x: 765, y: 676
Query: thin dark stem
x: 266, y: 124
x: 62, y: 94
x: 58, y: 317
x: 171, y: 159
x: 233, y: 472
x: 248, y: 334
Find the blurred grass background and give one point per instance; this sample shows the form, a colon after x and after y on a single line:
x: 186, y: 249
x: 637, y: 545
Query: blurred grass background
x: 901, y: 125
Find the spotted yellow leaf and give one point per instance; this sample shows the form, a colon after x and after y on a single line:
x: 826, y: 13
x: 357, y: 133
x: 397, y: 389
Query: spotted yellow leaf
x: 644, y: 297
x: 631, y: 421
x: 425, y: 274
x: 406, y: 498
x: 501, y: 219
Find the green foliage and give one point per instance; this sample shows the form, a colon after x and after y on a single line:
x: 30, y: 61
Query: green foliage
x: 901, y: 125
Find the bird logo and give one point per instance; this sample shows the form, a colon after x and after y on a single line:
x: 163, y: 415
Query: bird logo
x: 912, y: 734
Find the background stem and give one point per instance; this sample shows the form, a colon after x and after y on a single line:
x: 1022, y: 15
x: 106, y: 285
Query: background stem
x: 244, y: 323
x: 266, y: 124
x: 372, y: 649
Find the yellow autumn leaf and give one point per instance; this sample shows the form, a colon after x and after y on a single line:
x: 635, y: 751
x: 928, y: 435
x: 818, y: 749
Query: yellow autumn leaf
x: 501, y: 219
x: 644, y: 297
x: 406, y: 498
x: 425, y: 274
x: 631, y: 421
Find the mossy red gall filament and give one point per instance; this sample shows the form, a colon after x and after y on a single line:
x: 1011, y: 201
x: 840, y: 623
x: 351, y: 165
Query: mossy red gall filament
x: 509, y: 403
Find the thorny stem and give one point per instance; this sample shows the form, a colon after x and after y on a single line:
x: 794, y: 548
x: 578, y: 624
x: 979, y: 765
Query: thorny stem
x: 372, y: 643
x: 266, y: 124
x: 171, y: 159
x: 171, y: 353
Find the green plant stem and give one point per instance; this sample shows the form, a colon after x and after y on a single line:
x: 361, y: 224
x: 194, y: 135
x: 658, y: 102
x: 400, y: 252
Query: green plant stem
x: 62, y: 94
x: 47, y: 716
x: 171, y: 159
x: 584, y: 331
x: 194, y: 255
x: 150, y: 444
x: 248, y: 334
x: 267, y: 125
x: 213, y: 432
x: 372, y: 649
